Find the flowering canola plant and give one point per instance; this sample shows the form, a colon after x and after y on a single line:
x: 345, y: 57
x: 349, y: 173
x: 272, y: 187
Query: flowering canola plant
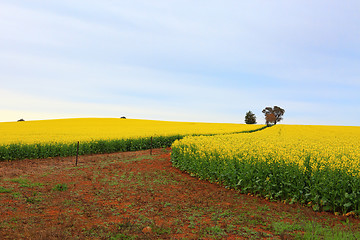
x: 316, y: 165
x: 46, y: 138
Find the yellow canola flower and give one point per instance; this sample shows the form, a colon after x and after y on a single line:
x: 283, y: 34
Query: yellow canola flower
x: 87, y: 129
x: 315, y: 147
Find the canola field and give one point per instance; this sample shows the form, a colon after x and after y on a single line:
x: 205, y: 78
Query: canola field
x: 317, y: 166
x: 314, y: 165
x: 50, y: 138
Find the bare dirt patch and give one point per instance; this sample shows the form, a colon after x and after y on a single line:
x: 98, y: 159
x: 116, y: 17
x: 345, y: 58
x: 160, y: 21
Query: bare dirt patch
x: 133, y: 195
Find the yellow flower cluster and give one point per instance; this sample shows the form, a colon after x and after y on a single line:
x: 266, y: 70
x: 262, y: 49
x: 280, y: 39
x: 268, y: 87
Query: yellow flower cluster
x: 87, y: 129
x: 337, y: 147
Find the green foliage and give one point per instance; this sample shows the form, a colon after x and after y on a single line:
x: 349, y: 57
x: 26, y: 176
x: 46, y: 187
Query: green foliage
x: 34, y: 198
x: 17, y: 151
x: 45, y: 150
x: 5, y: 190
x: 314, y: 230
x: 60, y: 187
x: 323, y: 189
x: 25, y: 183
x: 276, y: 113
x: 250, y: 118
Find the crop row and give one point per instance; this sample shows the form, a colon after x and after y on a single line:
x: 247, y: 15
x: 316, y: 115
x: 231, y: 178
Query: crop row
x: 45, y: 150
x: 312, y: 165
x: 51, y: 138
x: 16, y: 151
x: 88, y: 129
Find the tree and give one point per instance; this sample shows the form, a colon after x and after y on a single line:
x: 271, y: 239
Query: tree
x: 270, y: 118
x: 250, y: 118
x: 277, y: 113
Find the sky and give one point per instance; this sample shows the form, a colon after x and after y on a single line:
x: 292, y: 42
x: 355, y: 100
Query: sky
x: 181, y: 60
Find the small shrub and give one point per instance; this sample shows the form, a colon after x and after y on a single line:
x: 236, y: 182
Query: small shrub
x: 60, y: 187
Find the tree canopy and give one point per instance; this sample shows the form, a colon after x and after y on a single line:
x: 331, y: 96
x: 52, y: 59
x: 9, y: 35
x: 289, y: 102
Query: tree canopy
x: 273, y: 115
x: 250, y: 118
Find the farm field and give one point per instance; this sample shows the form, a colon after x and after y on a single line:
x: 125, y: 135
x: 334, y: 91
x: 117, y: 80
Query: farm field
x: 51, y: 138
x: 89, y: 129
x: 314, y: 165
x: 135, y: 195
x: 285, y: 177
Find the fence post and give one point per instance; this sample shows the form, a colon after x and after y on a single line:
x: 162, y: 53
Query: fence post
x: 151, y: 143
x: 77, y: 153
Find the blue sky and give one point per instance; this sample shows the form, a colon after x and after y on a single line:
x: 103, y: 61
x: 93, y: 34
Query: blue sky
x: 208, y: 61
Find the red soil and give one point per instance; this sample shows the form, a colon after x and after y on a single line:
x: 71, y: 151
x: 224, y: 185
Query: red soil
x: 137, y: 196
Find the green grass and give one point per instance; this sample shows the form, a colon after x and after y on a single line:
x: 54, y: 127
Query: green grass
x: 281, y: 227
x: 5, y: 190
x: 60, y: 187
x: 25, y: 183
x: 34, y: 198
x: 215, y: 231
x: 313, y: 230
